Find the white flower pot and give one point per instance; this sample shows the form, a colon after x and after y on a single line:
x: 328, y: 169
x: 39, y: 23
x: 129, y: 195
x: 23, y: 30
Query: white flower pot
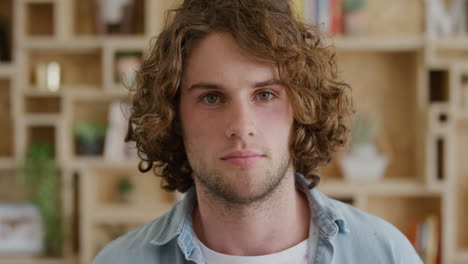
x: 364, y: 163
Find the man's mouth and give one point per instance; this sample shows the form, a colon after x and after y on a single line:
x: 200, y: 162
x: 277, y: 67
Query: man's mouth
x: 242, y: 158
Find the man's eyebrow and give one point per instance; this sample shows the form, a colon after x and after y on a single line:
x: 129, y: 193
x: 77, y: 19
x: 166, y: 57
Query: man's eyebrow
x: 269, y: 82
x: 206, y: 86
x: 212, y: 86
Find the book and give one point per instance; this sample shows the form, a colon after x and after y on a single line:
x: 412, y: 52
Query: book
x: 310, y: 16
x: 336, y: 27
x: 323, y: 15
x: 425, y: 236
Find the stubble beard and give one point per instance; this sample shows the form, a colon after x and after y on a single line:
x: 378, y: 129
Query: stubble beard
x: 217, y: 187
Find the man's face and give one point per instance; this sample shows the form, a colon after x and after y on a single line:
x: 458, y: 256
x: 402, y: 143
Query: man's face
x: 236, y: 121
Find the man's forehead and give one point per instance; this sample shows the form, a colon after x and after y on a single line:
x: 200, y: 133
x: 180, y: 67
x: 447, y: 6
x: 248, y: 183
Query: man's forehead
x: 217, y: 59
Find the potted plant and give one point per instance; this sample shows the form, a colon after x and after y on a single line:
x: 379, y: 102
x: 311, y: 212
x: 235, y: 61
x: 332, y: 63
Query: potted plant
x: 363, y: 161
x: 40, y: 173
x: 124, y: 188
x: 89, y: 137
x: 354, y: 18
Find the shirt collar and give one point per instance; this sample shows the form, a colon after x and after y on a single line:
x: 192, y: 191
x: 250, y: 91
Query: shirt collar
x: 326, y: 216
x: 178, y: 219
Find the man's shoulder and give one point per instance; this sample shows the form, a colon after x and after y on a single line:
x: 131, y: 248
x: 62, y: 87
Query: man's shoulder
x: 370, y: 233
x: 136, y: 246
x: 137, y: 241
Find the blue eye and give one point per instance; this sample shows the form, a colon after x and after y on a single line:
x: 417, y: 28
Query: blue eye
x: 211, y: 99
x: 264, y: 96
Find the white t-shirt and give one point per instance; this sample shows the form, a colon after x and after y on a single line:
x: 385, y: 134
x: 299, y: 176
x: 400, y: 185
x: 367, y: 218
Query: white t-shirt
x: 294, y: 255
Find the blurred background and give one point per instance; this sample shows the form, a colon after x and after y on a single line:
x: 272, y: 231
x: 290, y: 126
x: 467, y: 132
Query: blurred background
x: 69, y: 184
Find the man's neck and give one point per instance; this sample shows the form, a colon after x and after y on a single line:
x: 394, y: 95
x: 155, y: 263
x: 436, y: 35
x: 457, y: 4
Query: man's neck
x: 278, y: 223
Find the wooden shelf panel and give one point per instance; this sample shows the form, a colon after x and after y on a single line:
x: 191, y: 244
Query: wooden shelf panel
x: 7, y: 70
x: 460, y: 43
x: 385, y: 187
x: 6, y: 120
x: 84, y: 43
x: 146, y: 188
x: 41, y: 119
x: 101, y: 163
x: 40, y: 18
x: 379, y: 44
x: 12, y: 191
x: 461, y: 185
x: 462, y: 116
x: 77, y: 68
x: 89, y: 93
x: 7, y: 163
x: 36, y: 105
x: 461, y: 257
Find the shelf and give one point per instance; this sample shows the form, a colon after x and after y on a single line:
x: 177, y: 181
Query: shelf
x: 7, y: 70
x: 39, y: 1
x: 386, y: 187
x: 7, y: 164
x: 461, y: 256
x: 41, y: 18
x: 84, y: 43
x: 81, y: 92
x: 462, y: 115
x: 42, y: 105
x: 86, y: 23
x: 35, y: 260
x: 117, y: 214
x: 381, y: 44
x: 41, y: 119
x: 101, y: 163
x: 460, y: 43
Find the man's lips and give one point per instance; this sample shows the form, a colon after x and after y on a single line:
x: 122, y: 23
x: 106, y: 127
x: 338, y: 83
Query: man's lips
x: 242, y: 158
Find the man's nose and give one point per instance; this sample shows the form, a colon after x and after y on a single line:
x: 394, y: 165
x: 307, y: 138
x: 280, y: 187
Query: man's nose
x: 240, y: 121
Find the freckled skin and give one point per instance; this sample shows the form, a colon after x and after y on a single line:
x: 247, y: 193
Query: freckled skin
x: 231, y: 102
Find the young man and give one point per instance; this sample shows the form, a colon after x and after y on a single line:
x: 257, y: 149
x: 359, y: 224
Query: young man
x: 239, y: 103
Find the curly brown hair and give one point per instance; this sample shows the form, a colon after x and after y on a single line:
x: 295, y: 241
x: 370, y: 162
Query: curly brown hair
x: 267, y: 30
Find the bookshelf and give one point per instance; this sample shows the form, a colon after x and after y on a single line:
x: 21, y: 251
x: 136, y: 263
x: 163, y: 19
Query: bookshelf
x: 411, y: 83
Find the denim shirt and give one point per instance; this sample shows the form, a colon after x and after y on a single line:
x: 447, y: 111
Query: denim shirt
x: 343, y: 234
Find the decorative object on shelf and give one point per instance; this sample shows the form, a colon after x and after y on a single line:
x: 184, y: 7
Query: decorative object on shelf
x: 115, y: 16
x: 127, y: 64
x: 124, y: 190
x: 446, y: 22
x: 89, y: 137
x: 48, y: 76
x: 5, y: 54
x: 465, y: 92
x: 363, y: 162
x: 354, y: 17
x: 21, y: 230
x: 41, y: 174
x: 115, y: 147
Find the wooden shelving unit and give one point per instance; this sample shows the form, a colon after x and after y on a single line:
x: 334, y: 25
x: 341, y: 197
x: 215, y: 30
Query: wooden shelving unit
x: 412, y: 83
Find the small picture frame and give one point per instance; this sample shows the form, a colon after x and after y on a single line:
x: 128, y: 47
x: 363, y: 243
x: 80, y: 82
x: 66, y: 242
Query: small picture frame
x: 21, y: 230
